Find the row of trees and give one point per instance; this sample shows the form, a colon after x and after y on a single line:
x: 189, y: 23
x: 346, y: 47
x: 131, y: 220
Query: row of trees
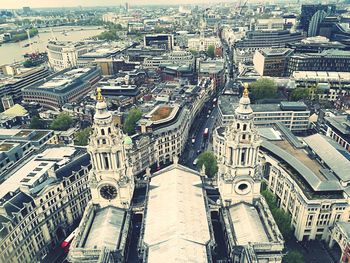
x: 64, y: 121
x: 283, y: 221
x: 265, y: 88
x: 22, y: 35
x: 61, y: 123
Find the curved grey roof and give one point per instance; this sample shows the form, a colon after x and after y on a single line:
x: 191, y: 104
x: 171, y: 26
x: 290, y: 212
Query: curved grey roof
x: 330, y: 156
x: 312, y: 179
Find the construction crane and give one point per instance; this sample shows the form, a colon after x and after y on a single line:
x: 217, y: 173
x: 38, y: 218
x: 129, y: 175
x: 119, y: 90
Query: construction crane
x: 242, y: 7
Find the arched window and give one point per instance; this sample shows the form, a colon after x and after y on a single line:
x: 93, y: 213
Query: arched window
x: 103, y: 141
x: 109, y: 130
x: 244, y: 127
x: 238, y: 126
x: 103, y: 132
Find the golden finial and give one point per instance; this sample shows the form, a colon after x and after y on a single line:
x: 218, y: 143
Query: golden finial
x: 246, y: 91
x: 99, y: 96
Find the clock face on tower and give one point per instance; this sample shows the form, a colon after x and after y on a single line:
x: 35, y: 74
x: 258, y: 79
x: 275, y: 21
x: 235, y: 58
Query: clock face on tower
x: 108, y: 192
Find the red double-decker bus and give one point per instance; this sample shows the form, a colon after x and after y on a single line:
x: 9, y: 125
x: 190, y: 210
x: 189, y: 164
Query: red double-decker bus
x: 66, y: 243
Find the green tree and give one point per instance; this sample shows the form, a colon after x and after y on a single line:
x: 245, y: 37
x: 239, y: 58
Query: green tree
x: 263, y: 89
x: 293, y: 256
x: 111, y: 33
x: 134, y: 115
x: 211, y: 51
x: 36, y: 123
x: 82, y: 137
x: 209, y: 160
x: 283, y: 219
x: 300, y: 93
x: 62, y: 123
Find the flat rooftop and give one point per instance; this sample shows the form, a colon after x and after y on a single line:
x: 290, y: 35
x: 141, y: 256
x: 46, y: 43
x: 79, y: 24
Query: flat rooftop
x: 32, y: 171
x: 341, y: 123
x: 106, y: 229
x: 276, y: 51
x: 213, y: 67
x: 247, y: 225
x: 64, y: 79
x: 6, y: 146
x: 229, y: 103
x: 330, y: 156
x: 321, y: 75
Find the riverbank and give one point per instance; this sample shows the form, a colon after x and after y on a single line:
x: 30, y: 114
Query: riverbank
x: 14, y: 52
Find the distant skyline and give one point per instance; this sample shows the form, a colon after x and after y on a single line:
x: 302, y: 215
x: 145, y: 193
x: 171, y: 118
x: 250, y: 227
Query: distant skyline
x: 12, y: 4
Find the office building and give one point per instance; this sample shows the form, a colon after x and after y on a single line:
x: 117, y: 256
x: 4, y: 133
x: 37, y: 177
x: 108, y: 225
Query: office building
x: 101, y: 52
x: 63, y: 55
x: 17, y: 115
x: 248, y: 223
x: 16, y: 144
x: 315, y: 45
x: 12, y: 85
x: 332, y: 28
x: 213, y: 69
x: 272, y: 62
x: 324, y: 85
x: 327, y: 60
x: 269, y: 24
x: 294, y: 115
x: 163, y: 41
x: 69, y: 85
x: 337, y: 127
x: 309, y: 178
x: 255, y: 40
x: 308, y: 11
x: 42, y: 199
x: 138, y: 54
x: 163, y: 131
x: 111, y: 66
x: 314, y: 24
x: 202, y: 43
x: 176, y: 57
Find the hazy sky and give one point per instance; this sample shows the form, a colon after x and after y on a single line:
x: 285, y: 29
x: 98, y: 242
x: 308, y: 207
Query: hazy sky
x: 4, y: 4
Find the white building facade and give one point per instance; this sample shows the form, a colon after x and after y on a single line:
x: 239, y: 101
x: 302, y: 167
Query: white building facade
x: 62, y: 55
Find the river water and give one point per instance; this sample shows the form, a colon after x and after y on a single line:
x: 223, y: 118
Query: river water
x: 11, y: 52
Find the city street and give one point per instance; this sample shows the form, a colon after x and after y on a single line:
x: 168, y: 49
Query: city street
x: 202, y: 121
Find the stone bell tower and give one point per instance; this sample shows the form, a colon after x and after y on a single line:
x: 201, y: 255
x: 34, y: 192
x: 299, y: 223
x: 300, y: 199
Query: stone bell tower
x: 238, y: 175
x: 111, y: 178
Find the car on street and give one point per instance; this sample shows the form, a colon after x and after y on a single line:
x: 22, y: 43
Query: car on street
x: 195, y: 161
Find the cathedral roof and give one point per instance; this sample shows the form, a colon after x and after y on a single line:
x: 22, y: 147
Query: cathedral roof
x: 176, y: 223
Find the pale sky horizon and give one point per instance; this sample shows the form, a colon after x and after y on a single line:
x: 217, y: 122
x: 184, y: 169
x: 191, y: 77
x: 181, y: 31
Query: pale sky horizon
x: 12, y: 4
